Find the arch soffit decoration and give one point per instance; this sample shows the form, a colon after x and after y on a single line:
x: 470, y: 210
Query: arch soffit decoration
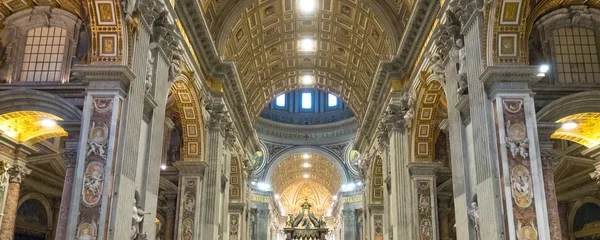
x: 236, y: 180
x: 33, y: 100
x: 351, y: 43
x: 43, y: 200
x: 191, y: 117
x: 337, y: 162
x: 568, y: 105
x: 377, y: 180
x: 107, y: 35
x: 512, y: 22
x: 425, y: 123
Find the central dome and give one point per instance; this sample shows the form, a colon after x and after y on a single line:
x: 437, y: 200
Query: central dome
x: 306, y: 107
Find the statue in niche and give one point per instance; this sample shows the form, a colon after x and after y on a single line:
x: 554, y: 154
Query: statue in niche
x: 137, y: 219
x: 474, y: 216
x: 461, y: 67
x: 83, y: 46
x: 174, y: 145
x: 149, y: 70
x: 5, y: 59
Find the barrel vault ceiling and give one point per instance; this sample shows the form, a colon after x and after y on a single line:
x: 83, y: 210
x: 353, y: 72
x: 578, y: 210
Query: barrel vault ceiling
x: 261, y: 37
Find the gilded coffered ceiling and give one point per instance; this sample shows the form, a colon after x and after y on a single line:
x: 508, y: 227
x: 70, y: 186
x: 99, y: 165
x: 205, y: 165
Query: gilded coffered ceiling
x: 29, y: 126
x: 296, y: 168
x: 352, y: 39
x: 586, y: 131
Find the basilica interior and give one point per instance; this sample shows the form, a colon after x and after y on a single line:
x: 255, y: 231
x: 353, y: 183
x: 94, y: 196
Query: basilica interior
x: 299, y: 119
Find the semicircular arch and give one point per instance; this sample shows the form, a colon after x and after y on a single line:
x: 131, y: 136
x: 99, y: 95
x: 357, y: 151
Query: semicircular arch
x: 32, y: 100
x: 582, y: 102
x: 327, y: 154
x: 191, y: 118
x: 43, y: 201
x: 430, y: 101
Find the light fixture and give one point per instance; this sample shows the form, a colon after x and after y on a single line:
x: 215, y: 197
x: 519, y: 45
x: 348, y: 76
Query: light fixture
x: 542, y: 70
x: 306, y: 79
x: 306, y: 45
x: 263, y: 186
x: 569, y: 125
x: 163, y: 167
x: 276, y: 196
x: 334, y: 197
x: 306, y: 165
x: 348, y: 187
x: 253, y: 183
x: 306, y: 156
x: 307, y: 6
x: 46, y: 122
x: 306, y: 175
x: 359, y: 183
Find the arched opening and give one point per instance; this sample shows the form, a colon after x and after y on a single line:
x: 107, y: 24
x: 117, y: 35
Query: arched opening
x: 33, y: 221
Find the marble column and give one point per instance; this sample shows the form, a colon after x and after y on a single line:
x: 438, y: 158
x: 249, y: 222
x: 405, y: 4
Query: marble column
x: 16, y: 174
x: 425, y: 202
x: 444, y: 211
x: 191, y: 174
x: 170, y: 210
x: 349, y: 219
x: 383, y: 146
x: 69, y: 156
x: 211, y: 186
x: 396, y: 122
x: 549, y: 157
x: 563, y: 215
x: 100, y: 179
x: 516, y: 154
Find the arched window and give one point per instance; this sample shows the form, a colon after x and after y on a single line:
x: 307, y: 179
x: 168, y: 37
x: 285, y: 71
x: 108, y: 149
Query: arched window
x: 38, y: 45
x: 575, y: 55
x: 570, y: 45
x: 44, y: 54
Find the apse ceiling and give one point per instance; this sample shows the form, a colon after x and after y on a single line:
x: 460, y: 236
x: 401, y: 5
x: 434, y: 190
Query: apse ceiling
x: 344, y: 43
x: 298, y: 167
x: 303, y: 177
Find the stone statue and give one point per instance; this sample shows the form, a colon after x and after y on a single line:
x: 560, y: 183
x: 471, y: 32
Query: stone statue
x: 136, y: 219
x: 461, y: 67
x: 474, y: 216
x: 175, y: 68
x: 289, y: 221
x: 149, y: 70
x: 437, y: 68
x: 83, y: 46
x: 129, y: 7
